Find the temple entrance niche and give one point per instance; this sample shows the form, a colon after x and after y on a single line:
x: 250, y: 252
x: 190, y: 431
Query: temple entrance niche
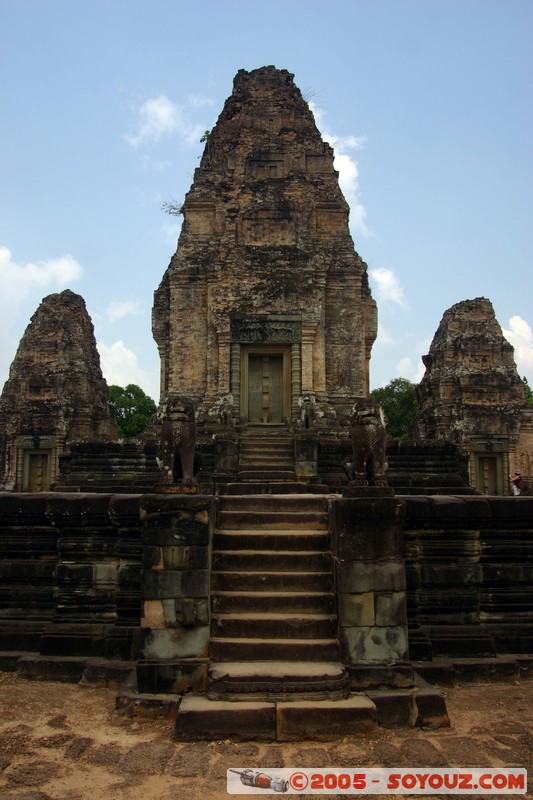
x: 266, y: 367
x: 489, y: 473
x: 265, y: 384
x: 36, y: 471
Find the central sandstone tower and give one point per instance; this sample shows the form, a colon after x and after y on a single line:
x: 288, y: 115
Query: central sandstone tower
x: 265, y: 304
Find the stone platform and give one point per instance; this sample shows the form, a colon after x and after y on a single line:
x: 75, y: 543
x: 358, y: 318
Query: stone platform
x: 197, y: 718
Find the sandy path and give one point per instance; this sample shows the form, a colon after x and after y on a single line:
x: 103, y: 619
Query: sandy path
x: 65, y: 742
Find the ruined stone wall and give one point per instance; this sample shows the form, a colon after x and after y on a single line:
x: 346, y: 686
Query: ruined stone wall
x: 71, y: 574
x: 370, y: 579
x: 55, y: 393
x: 469, y: 575
x: 265, y: 246
x: 175, y: 618
x: 108, y: 576
x: 127, y: 576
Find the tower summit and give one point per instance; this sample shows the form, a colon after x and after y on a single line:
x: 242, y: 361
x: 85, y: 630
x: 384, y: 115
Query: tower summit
x: 265, y: 300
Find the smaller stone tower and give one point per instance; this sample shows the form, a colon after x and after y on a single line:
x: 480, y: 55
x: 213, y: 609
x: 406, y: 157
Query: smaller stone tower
x: 55, y: 393
x: 471, y: 395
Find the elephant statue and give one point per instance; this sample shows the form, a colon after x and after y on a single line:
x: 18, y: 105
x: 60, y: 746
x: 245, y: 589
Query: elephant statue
x: 369, y: 439
x: 178, y: 439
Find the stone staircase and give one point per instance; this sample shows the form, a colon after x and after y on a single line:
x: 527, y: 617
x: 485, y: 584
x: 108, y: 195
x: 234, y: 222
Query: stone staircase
x: 272, y: 599
x: 266, y: 454
x: 275, y: 669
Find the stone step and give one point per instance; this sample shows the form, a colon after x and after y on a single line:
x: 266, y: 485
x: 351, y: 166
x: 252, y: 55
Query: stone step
x: 265, y: 464
x: 270, y: 561
x: 242, y: 649
x: 271, y: 680
x: 284, y: 449
x: 264, y: 442
x: 325, y: 720
x: 272, y: 487
x: 271, y: 540
x: 304, y: 602
x: 262, y: 454
x: 201, y: 719
x: 259, y: 454
x: 262, y: 432
x: 266, y: 475
x: 274, y: 503
x: 256, y: 447
x: 274, y: 625
x: 264, y: 460
x: 273, y: 520
x: 299, y: 487
x: 252, y: 581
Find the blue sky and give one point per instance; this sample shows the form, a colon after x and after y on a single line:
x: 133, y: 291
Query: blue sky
x: 428, y: 104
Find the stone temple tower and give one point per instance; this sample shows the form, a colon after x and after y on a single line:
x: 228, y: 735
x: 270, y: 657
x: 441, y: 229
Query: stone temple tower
x: 472, y: 396
x: 55, y: 394
x: 265, y: 301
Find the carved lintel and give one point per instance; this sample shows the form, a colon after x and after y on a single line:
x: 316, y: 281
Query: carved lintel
x: 264, y: 330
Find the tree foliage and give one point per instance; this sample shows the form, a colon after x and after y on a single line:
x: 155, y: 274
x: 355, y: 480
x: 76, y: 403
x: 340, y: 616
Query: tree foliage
x: 172, y: 207
x: 398, y: 400
x: 130, y: 409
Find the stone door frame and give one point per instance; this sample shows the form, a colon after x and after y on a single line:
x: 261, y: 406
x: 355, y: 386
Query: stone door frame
x: 27, y: 446
x: 265, y: 350
x: 479, y: 463
x: 45, y: 456
x: 275, y: 333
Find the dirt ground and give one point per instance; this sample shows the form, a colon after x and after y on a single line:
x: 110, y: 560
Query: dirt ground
x: 65, y: 742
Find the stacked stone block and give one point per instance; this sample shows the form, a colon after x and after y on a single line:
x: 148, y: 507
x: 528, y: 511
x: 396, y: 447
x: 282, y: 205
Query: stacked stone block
x: 177, y: 534
x: 70, y: 574
x: 28, y: 559
x: 370, y: 578
x: 469, y: 575
x: 80, y: 574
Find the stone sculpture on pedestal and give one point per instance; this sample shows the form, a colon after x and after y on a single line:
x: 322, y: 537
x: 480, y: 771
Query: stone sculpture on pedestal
x: 178, y: 440
x: 369, y: 438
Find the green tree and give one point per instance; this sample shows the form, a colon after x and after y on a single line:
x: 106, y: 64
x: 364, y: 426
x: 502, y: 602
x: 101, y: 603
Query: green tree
x: 130, y: 409
x: 398, y: 399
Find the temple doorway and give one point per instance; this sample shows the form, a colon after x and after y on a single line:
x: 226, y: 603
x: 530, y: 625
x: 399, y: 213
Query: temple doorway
x: 488, y: 477
x: 265, y: 384
x: 36, y: 471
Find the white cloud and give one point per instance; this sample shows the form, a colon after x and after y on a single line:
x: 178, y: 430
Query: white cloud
x: 20, y: 281
x: 156, y: 164
x: 199, y: 100
x: 22, y: 287
x: 387, y: 285
x: 22, y: 284
x: 160, y: 116
x: 405, y: 368
x: 348, y: 170
x: 520, y: 336
x: 384, y: 338
x: 119, y: 309
x: 120, y: 367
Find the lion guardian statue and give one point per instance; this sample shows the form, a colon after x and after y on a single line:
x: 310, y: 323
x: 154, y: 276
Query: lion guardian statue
x: 369, y: 439
x: 178, y: 439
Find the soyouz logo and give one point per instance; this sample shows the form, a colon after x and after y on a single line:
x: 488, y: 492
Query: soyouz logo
x: 329, y: 780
